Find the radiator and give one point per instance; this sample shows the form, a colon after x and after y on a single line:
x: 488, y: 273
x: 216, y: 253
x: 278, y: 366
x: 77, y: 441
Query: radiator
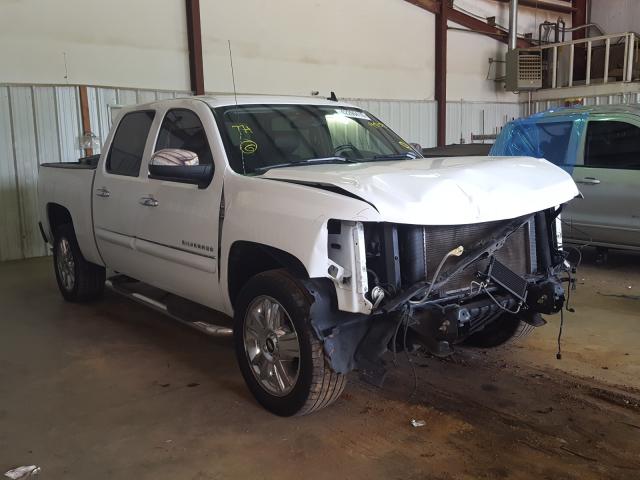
x: 518, y: 252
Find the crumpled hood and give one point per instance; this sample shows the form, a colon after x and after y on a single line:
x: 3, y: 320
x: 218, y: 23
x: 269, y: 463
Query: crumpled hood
x: 445, y: 191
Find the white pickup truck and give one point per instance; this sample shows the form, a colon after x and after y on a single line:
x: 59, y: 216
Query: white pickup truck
x: 326, y: 237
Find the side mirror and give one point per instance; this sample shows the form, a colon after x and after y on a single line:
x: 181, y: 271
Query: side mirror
x: 183, y: 166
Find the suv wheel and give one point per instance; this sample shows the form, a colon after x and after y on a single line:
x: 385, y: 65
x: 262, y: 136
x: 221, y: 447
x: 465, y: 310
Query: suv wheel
x: 280, y: 357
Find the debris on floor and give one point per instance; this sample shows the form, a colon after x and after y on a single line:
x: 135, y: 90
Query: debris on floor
x: 418, y: 423
x: 22, y: 472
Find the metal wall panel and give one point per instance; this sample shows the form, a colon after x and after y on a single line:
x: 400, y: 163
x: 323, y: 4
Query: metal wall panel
x: 416, y: 121
x: 105, y: 99
x: 146, y: 96
x: 46, y: 125
x: 38, y: 124
x: 104, y: 103
x: 413, y: 120
x: 10, y: 236
x: 618, y: 99
x: 26, y: 161
x: 479, y: 118
x: 70, y: 126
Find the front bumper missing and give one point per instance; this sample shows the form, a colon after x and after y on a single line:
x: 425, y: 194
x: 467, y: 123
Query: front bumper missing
x: 482, y: 249
x: 445, y: 317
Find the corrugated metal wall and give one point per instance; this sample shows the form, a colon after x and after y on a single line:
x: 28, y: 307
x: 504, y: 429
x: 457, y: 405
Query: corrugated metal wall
x: 478, y: 118
x: 103, y: 100
x: 40, y: 124
x: 415, y: 121
x: 617, y: 99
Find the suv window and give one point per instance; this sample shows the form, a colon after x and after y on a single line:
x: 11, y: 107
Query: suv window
x: 128, y: 143
x: 183, y: 129
x: 612, y: 144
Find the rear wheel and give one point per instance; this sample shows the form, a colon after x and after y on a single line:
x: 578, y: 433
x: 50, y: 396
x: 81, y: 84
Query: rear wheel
x: 280, y: 357
x: 78, y: 279
x: 505, y: 328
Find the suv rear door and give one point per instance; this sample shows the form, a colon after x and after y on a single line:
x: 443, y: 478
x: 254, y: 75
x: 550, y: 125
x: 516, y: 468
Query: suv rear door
x: 608, y: 175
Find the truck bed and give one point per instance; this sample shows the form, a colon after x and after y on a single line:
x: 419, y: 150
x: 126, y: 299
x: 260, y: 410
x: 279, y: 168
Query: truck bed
x: 84, y: 163
x: 70, y: 185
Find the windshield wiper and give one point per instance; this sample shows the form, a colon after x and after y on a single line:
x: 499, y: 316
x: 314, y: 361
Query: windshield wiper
x: 310, y: 161
x: 397, y: 156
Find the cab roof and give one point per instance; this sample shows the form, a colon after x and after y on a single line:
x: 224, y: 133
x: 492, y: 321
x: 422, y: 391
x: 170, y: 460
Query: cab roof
x: 224, y: 100
x: 230, y: 99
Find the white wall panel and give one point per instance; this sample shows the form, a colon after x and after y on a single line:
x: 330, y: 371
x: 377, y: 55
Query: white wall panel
x: 126, y: 97
x: 146, y: 96
x: 467, y: 118
x: 26, y: 161
x: 135, y: 44
x: 618, y: 99
x: 47, y: 139
x: 38, y: 124
x: 104, y: 101
x: 616, y: 16
x: 68, y: 107
x: 358, y: 48
x: 414, y: 121
x: 10, y: 236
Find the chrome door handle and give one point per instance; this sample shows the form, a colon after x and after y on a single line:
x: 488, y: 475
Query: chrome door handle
x: 589, y: 181
x: 103, y: 192
x: 149, y: 202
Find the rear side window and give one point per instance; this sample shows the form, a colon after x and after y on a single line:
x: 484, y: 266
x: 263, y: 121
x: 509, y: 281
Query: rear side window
x: 611, y: 144
x: 183, y: 129
x: 128, y: 143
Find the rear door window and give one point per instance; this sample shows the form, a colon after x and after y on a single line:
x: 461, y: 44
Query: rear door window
x: 128, y: 144
x: 612, y: 144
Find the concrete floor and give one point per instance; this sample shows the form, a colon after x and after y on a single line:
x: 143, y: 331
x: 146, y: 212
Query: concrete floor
x: 113, y: 390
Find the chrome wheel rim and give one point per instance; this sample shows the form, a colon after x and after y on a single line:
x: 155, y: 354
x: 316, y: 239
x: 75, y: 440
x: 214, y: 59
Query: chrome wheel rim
x: 66, y: 265
x: 272, y: 346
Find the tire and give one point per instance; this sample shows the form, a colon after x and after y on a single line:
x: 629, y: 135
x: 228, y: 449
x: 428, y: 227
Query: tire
x: 505, y: 328
x: 284, y: 381
x: 78, y: 280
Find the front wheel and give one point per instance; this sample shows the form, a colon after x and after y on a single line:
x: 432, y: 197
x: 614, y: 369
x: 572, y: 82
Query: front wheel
x: 280, y: 357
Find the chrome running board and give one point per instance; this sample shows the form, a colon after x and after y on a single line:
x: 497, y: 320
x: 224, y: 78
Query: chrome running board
x: 116, y: 284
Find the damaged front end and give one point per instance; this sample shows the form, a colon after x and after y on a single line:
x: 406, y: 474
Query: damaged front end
x: 438, y: 286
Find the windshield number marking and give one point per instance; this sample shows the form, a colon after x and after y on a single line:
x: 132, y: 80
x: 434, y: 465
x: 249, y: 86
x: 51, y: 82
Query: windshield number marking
x: 243, y: 128
x: 352, y: 113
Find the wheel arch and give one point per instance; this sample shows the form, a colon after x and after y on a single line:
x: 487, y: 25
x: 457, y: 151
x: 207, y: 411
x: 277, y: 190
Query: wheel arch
x: 58, y: 215
x: 247, y: 259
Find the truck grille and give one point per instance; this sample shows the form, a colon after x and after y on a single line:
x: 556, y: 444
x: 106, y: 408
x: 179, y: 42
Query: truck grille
x: 518, y: 252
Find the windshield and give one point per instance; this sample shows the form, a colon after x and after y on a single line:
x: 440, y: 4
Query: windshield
x: 260, y: 137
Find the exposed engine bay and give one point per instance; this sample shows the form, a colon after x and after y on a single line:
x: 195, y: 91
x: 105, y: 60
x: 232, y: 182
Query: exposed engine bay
x: 442, y: 285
